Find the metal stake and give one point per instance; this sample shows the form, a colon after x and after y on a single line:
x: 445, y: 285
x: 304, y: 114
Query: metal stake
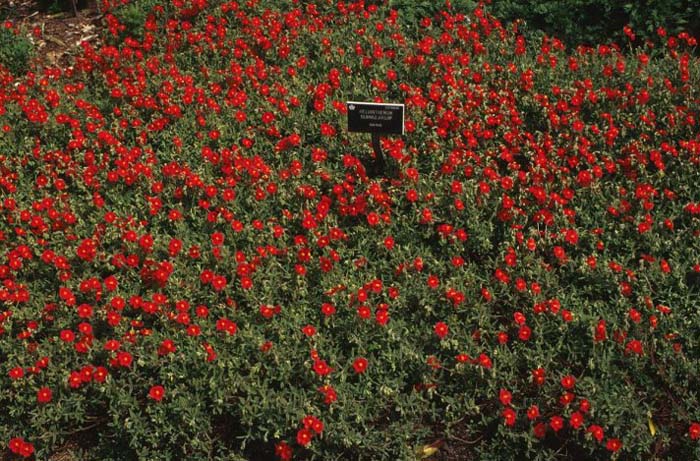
x: 379, y: 165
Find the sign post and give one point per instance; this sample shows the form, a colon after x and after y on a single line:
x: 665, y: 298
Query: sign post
x: 377, y: 119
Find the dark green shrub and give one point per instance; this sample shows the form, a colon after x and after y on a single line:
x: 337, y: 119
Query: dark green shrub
x: 15, y: 51
x: 131, y: 18
x: 593, y: 21
x: 676, y: 16
x: 576, y: 21
x: 55, y: 6
x: 412, y: 11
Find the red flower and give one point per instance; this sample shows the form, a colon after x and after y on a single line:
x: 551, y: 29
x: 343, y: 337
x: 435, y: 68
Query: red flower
x: 382, y: 316
x: 538, y: 376
x: 246, y: 283
x: 364, y: 312
x: 330, y: 395
x: 360, y: 365
x: 441, y: 329
x: 15, y: 445
x: 389, y: 243
x: 218, y: 282
x: 124, y: 359
x: 540, y: 430
x: 312, y: 422
x: 16, y: 373
x: 635, y: 347
x: 157, y: 393
x: 283, y: 451
x: 559, y: 253
x: 112, y: 345
x: 556, y: 423
x: 327, y: 309
x: 576, y: 420
x: 321, y: 368
x: 505, y: 397
x: 596, y: 431
x: 217, y: 238
x: 75, y: 380
x: 694, y: 431
x: 585, y: 406
x: 433, y: 281
x: 86, y: 250
x: 571, y: 237
x: 567, y: 398
x: 372, y: 219
x: 524, y: 333
x: 485, y: 361
x: 18, y: 446
x: 67, y: 336
x: 224, y: 324
x: 100, y: 374
x: 533, y: 412
x: 44, y: 395
x: 568, y: 382
x: 600, y: 331
x: 304, y: 437
x: 613, y: 444
x: 509, y: 416
x: 519, y: 318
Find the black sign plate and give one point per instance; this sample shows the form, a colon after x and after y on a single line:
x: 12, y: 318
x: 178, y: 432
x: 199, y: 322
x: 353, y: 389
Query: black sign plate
x: 371, y: 117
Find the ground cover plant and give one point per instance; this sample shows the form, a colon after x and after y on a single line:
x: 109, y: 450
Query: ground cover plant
x: 196, y: 265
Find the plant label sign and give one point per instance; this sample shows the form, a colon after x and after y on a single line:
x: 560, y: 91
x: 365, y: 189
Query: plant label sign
x: 372, y: 117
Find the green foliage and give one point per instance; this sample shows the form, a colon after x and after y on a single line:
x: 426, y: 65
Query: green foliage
x: 5, y: 11
x: 412, y: 11
x: 15, y: 51
x: 595, y: 21
x: 132, y: 16
x: 645, y: 16
x: 58, y: 6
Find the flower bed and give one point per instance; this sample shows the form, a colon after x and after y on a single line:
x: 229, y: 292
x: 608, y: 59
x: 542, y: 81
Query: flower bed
x: 195, y: 264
